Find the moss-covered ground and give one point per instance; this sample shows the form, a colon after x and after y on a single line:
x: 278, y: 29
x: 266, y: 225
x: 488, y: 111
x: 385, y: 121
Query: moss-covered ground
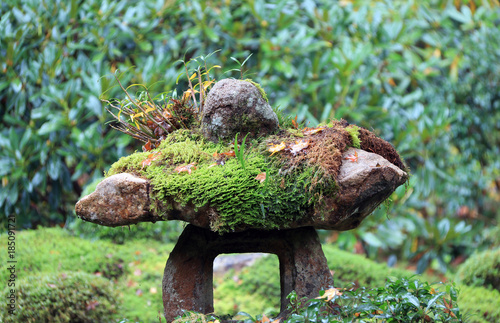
x: 135, y: 269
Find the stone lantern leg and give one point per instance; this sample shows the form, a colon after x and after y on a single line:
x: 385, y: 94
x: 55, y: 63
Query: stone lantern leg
x: 188, y: 277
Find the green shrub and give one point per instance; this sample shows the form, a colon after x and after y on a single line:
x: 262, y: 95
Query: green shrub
x: 351, y: 268
x: 481, y: 269
x: 400, y: 300
x: 136, y: 266
x: 53, y: 250
x: 65, y: 297
x: 261, y: 287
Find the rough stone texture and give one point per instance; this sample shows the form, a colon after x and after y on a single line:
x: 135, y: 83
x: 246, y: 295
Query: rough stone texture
x: 363, y: 184
x: 121, y: 199
x: 235, y: 106
x: 188, y: 276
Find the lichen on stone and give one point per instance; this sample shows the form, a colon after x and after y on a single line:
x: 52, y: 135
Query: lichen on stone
x: 260, y: 88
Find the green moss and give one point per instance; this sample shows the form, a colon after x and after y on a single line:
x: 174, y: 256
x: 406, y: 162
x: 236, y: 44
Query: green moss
x: 61, y: 298
x: 128, y: 164
x: 481, y: 269
x: 259, y: 87
x: 479, y: 305
x: 294, y: 182
x: 353, y: 130
x: 240, y: 199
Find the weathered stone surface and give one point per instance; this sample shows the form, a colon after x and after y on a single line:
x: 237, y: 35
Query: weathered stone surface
x: 363, y: 184
x: 188, y: 275
x: 235, y: 106
x: 121, y: 199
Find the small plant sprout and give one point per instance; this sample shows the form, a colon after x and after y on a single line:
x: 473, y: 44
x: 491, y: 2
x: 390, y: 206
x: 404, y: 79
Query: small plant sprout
x: 149, y: 119
x: 195, y: 80
x: 241, y: 66
x: 239, y: 151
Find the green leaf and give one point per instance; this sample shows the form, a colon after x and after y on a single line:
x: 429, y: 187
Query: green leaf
x: 51, y: 126
x: 372, y: 239
x: 26, y: 137
x: 412, y: 300
x: 54, y: 167
x: 145, y: 46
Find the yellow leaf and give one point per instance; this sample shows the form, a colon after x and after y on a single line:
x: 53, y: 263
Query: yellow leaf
x: 299, y: 145
x: 140, y: 114
x: 261, y: 177
x: 150, y: 109
x: 206, y: 84
x: 193, y: 76
x: 330, y: 294
x: 187, y: 93
x: 277, y: 147
x: 312, y: 131
x: 137, y: 125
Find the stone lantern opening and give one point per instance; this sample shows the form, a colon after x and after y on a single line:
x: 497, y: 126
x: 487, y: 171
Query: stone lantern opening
x: 234, y: 267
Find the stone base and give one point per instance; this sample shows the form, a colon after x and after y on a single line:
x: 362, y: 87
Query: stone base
x: 188, y: 276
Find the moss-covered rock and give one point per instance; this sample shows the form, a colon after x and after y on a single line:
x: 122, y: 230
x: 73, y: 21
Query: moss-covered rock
x: 280, y: 181
x: 236, y: 106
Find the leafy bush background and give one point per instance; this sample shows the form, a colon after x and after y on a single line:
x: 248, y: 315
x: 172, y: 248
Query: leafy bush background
x: 423, y: 74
